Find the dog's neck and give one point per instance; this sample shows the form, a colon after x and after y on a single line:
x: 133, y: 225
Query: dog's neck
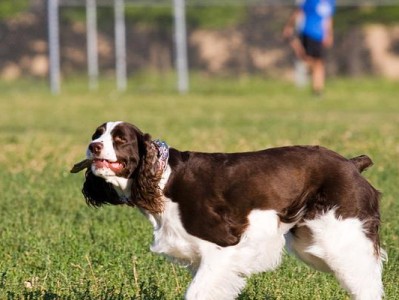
x: 123, y: 186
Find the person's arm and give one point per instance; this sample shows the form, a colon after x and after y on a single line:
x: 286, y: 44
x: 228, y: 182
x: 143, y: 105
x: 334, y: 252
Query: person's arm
x: 290, y: 26
x: 289, y: 34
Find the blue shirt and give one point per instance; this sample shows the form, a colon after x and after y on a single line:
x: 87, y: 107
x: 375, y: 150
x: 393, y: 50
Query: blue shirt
x: 315, y: 14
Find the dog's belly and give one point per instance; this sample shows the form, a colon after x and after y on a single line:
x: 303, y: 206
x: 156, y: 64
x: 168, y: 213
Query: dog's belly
x: 259, y: 250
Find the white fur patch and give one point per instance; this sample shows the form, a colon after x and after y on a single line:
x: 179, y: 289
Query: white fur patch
x: 170, y: 238
x: 219, y: 271
x: 222, y: 271
x: 121, y: 185
x: 108, y: 151
x: 344, y: 247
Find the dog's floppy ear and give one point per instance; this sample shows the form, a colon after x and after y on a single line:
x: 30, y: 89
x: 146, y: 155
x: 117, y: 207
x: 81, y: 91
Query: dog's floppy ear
x: 145, y: 190
x: 98, y: 192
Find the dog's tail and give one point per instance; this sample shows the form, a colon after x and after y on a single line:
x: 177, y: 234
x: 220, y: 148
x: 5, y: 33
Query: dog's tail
x: 362, y: 162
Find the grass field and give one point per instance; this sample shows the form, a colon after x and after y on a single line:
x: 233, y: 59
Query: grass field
x: 52, y: 246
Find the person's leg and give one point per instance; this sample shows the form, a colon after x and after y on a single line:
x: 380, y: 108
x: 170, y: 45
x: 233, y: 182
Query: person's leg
x: 318, y: 75
x: 314, y: 58
x: 298, y: 48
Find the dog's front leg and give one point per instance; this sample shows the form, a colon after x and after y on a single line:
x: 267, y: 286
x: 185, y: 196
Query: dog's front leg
x: 217, y: 277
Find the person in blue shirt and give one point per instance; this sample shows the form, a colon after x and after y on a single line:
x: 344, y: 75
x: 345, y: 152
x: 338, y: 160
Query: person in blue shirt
x: 310, y: 31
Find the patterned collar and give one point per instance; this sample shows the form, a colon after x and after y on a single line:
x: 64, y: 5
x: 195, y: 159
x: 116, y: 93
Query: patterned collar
x: 163, y: 154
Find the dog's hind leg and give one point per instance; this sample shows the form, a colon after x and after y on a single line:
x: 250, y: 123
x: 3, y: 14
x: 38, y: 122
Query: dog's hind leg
x: 344, y: 247
x: 299, y: 240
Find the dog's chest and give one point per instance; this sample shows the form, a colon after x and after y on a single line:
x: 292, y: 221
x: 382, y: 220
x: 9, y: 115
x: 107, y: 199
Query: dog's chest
x: 171, y: 239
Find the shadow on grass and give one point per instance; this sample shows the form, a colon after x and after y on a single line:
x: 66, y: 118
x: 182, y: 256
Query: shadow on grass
x: 148, y: 290
x: 248, y: 296
x: 32, y: 295
x: 45, y: 295
x: 106, y: 295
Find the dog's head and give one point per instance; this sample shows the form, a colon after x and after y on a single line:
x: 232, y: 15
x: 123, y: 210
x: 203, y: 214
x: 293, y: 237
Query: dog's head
x: 115, y: 150
x: 118, y: 157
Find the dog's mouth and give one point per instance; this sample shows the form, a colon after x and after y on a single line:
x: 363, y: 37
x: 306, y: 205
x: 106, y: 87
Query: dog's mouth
x: 115, y: 166
x: 99, y: 164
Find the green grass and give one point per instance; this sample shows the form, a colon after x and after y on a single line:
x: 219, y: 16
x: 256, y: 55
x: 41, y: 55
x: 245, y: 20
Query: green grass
x: 52, y: 246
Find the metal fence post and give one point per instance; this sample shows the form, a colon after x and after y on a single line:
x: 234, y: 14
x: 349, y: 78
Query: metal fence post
x: 92, y: 53
x: 120, y: 44
x: 53, y: 45
x: 181, y: 45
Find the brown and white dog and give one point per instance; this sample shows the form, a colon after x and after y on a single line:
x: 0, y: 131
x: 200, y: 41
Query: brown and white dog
x: 229, y: 215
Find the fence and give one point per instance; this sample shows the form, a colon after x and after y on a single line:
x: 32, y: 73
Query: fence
x: 120, y: 42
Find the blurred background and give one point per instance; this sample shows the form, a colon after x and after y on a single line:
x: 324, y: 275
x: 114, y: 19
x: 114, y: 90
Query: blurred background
x: 224, y: 38
x: 239, y: 76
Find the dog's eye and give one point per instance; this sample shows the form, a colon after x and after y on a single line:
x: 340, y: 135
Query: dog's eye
x: 119, y: 140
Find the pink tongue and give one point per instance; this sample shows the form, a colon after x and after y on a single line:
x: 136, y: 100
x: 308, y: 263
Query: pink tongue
x: 114, y: 166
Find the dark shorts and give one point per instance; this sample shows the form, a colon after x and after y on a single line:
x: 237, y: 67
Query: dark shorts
x: 312, y: 47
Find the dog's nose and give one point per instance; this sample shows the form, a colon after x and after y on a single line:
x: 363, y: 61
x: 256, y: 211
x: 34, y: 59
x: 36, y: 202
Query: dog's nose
x: 96, y: 148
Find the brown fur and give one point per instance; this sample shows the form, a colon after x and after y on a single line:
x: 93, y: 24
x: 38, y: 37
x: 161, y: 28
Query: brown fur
x: 145, y: 191
x: 215, y: 192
